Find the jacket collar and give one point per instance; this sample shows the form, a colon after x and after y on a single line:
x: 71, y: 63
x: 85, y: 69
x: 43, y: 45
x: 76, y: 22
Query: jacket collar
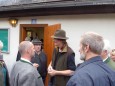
x: 93, y: 59
x: 25, y: 61
x: 64, y: 49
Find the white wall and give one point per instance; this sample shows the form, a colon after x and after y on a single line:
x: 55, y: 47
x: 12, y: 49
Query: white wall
x: 74, y: 25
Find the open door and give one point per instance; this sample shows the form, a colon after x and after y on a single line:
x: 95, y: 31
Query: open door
x: 48, y: 42
x: 23, y: 33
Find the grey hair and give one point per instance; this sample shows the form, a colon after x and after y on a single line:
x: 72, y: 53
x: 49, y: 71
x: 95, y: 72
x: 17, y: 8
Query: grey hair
x: 24, y: 47
x: 1, y: 44
x: 94, y: 40
x: 107, y: 46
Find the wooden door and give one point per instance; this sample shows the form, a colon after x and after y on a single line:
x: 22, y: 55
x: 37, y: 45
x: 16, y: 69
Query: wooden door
x: 48, y: 42
x: 23, y: 33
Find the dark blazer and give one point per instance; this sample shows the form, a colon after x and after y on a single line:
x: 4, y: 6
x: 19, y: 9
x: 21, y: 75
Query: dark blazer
x: 18, y: 56
x: 41, y: 59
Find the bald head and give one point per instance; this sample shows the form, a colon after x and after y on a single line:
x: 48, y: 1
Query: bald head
x: 24, y: 47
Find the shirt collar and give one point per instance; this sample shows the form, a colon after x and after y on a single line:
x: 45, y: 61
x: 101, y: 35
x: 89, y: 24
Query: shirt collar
x: 105, y: 59
x: 25, y: 60
x: 64, y: 50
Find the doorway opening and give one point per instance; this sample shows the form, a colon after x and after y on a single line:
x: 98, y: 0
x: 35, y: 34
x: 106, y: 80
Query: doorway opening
x: 44, y: 33
x: 32, y: 31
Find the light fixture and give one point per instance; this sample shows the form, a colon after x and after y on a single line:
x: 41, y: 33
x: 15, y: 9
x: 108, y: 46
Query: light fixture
x: 13, y: 22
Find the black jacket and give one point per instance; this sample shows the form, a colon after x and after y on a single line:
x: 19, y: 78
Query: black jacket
x: 41, y: 59
x: 18, y: 56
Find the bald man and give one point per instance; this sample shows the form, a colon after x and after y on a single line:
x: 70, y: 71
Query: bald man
x: 23, y: 72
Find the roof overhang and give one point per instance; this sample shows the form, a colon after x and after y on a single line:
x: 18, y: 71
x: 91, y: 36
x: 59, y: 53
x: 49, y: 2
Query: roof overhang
x: 58, y: 8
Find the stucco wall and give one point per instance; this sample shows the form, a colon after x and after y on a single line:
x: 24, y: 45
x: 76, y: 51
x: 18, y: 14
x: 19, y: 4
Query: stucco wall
x: 74, y: 25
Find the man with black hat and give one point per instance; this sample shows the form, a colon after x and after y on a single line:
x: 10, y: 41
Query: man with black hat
x: 39, y: 60
x: 62, y: 65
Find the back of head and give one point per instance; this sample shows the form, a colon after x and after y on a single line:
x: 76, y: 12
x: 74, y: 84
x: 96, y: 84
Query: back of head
x: 94, y: 40
x: 107, y: 46
x: 24, y: 47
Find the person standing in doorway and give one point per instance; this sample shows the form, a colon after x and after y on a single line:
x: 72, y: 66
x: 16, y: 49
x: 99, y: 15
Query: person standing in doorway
x: 23, y: 73
x: 40, y: 59
x: 62, y: 66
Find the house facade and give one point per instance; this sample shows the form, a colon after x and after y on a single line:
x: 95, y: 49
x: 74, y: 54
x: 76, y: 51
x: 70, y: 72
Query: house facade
x: 75, y: 17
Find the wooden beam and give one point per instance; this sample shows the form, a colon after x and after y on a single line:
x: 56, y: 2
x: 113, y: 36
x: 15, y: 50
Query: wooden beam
x: 97, y: 9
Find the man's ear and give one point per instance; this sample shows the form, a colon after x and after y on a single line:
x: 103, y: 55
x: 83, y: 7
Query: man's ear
x: 86, y: 48
x: 28, y: 51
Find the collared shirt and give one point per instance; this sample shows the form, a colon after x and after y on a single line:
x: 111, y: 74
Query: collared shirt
x: 105, y: 59
x: 64, y: 50
x: 23, y: 59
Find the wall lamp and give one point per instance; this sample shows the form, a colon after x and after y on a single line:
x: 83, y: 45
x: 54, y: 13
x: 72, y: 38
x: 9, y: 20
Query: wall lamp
x: 13, y: 22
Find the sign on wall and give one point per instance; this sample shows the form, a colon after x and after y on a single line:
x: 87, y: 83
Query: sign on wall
x: 4, y: 37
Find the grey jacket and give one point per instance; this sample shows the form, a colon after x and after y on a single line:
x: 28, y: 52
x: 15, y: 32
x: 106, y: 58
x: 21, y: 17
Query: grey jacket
x: 24, y: 74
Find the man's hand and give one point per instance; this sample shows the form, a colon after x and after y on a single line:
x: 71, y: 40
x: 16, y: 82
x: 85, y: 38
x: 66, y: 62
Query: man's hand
x: 49, y: 68
x: 35, y: 65
x: 52, y: 72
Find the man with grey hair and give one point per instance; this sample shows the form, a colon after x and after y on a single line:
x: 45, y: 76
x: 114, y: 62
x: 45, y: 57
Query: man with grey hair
x: 23, y: 72
x: 106, y: 55
x: 93, y: 71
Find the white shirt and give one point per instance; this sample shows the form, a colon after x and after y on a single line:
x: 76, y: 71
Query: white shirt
x: 105, y: 59
x: 25, y: 60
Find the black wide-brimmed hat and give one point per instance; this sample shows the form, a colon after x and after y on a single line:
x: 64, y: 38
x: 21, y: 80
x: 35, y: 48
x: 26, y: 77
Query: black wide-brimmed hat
x: 59, y: 34
x: 36, y: 41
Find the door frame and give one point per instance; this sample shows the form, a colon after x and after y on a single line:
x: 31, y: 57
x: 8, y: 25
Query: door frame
x: 22, y: 26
